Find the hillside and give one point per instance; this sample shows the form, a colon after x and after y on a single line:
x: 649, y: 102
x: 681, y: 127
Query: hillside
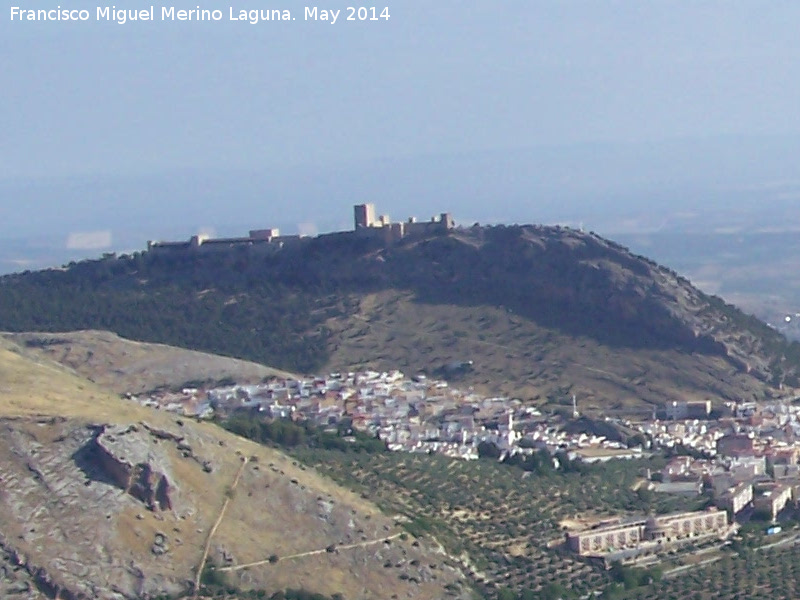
x: 126, y: 366
x: 101, y: 498
x: 543, y: 313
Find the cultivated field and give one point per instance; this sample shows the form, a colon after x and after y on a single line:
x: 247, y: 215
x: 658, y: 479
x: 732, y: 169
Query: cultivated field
x: 506, y: 524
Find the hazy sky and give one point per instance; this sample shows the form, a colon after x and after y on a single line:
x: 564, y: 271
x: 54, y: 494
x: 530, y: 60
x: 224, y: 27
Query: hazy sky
x: 625, y: 116
x: 443, y: 76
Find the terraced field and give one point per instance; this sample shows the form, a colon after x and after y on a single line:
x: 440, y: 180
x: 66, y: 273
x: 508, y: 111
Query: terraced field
x: 773, y: 574
x: 504, y: 522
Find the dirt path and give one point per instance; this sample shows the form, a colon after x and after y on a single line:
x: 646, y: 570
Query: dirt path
x: 312, y: 553
x: 683, y: 568
x: 792, y: 540
x: 228, y: 497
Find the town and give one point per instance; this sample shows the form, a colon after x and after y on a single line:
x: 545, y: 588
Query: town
x: 743, y: 456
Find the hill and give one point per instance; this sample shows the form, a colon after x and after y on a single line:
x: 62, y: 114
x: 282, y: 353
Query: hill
x: 126, y: 366
x: 101, y: 498
x: 543, y: 313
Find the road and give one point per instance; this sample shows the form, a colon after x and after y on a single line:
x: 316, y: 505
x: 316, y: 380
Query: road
x: 311, y: 553
x: 228, y: 497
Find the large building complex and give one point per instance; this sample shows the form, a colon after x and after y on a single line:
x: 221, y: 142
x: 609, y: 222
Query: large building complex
x: 659, y: 531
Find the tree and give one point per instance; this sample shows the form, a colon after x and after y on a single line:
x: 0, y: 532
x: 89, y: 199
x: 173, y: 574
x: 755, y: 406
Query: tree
x: 506, y: 594
x: 555, y: 591
x: 636, y: 440
x: 488, y: 450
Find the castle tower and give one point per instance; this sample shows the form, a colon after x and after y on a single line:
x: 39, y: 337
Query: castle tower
x: 364, y: 215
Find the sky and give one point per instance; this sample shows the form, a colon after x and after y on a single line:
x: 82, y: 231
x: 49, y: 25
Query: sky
x: 98, y: 119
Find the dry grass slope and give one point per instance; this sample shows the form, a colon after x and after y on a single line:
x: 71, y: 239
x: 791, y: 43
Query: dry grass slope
x: 31, y: 386
x: 126, y: 366
x: 514, y: 355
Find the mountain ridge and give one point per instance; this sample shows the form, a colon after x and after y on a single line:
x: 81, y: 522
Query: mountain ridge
x: 557, y: 294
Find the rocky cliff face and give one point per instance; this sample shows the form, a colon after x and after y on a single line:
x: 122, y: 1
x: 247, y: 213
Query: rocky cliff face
x: 18, y: 579
x: 62, y: 508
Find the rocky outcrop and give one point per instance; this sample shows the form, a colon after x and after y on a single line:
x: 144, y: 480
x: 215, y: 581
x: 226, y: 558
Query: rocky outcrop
x: 130, y: 460
x: 73, y: 527
x: 58, y: 536
x: 17, y: 577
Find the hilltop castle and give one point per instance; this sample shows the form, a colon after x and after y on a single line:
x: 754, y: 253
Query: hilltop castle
x: 367, y: 224
x: 267, y: 241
